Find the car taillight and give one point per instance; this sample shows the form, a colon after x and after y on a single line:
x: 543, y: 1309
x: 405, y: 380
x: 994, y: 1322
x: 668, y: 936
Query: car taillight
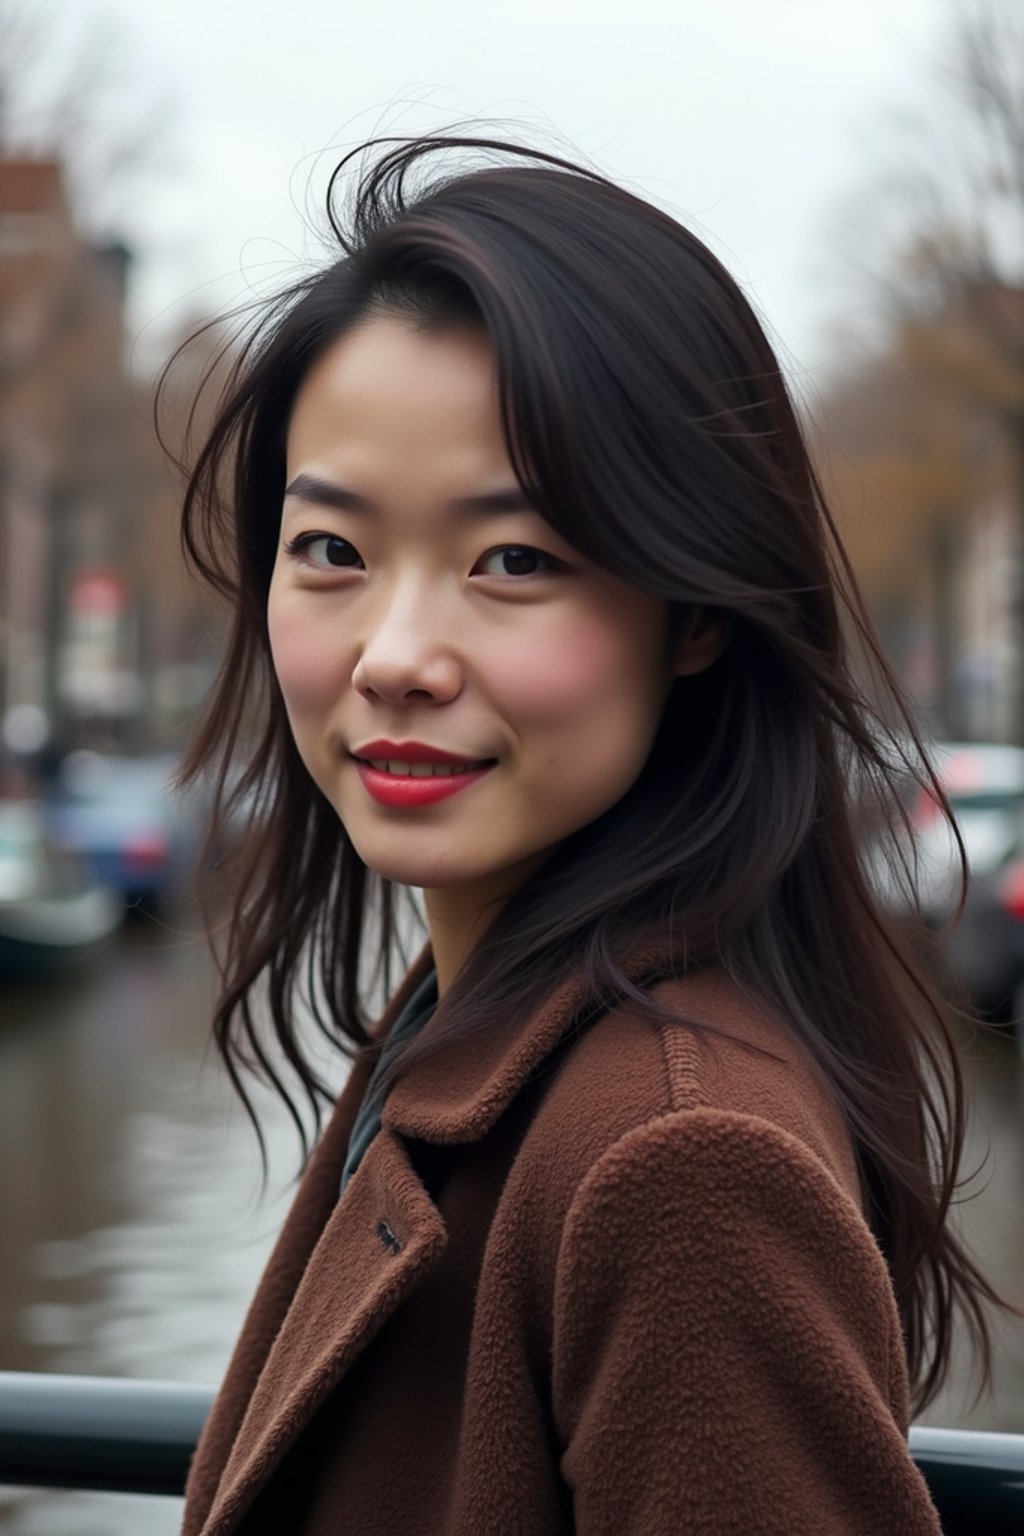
x: 925, y: 810
x: 1011, y: 890
x: 147, y: 851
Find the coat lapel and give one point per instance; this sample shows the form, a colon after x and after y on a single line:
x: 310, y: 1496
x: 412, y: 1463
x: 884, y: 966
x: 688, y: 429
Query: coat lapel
x: 379, y: 1241
x: 302, y: 1235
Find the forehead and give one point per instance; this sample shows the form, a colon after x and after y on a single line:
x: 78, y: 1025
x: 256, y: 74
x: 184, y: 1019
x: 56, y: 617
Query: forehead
x: 386, y: 392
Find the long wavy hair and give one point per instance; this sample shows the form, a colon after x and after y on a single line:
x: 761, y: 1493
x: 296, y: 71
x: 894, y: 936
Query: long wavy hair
x: 647, y: 419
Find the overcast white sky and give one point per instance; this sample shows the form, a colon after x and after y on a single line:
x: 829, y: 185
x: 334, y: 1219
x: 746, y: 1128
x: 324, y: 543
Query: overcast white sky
x: 756, y: 122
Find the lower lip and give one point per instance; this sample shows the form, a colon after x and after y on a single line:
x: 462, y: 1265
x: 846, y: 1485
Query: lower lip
x: 400, y: 789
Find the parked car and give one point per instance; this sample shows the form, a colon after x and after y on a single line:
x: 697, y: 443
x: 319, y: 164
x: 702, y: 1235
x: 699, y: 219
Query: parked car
x: 984, y: 783
x: 121, y: 816
x: 53, y: 915
x: 986, y: 949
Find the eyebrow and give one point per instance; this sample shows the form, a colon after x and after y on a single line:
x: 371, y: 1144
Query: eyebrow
x: 324, y: 493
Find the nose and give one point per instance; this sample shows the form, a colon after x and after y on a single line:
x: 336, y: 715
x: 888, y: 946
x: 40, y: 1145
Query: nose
x: 404, y: 654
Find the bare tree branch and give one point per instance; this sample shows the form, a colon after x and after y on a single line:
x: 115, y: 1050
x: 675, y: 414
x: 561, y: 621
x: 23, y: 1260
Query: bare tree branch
x: 22, y: 44
x: 77, y: 97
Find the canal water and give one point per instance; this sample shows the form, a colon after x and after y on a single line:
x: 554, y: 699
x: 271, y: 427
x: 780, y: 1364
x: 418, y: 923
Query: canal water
x: 132, y: 1228
x: 132, y: 1223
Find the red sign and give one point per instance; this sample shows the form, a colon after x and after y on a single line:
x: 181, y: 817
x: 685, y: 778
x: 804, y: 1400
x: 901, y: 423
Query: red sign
x: 98, y: 592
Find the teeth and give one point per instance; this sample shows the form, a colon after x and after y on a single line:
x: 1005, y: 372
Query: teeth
x: 422, y: 770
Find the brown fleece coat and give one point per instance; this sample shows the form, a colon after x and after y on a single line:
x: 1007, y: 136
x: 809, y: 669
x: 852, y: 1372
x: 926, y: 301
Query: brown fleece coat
x: 612, y: 1280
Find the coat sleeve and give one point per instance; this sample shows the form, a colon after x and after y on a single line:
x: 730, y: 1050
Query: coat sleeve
x: 727, y: 1350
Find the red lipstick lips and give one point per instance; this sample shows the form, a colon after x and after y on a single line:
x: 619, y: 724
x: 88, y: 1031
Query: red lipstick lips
x: 410, y: 752
x: 412, y: 790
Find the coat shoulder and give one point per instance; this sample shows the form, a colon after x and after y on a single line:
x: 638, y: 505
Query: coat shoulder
x: 720, y: 1049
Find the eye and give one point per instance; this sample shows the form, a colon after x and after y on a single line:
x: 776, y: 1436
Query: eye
x: 337, y: 553
x: 518, y: 556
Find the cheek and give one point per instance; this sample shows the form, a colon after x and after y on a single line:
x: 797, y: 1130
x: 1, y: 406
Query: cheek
x: 561, y: 678
x: 308, y: 670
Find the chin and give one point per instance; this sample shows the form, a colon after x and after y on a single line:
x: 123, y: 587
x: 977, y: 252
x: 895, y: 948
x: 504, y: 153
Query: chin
x: 425, y: 873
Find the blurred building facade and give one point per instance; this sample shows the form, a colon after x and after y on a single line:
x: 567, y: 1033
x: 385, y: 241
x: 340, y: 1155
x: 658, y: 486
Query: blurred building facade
x: 103, y: 642
x: 921, y: 450
x: 988, y: 673
x: 37, y: 257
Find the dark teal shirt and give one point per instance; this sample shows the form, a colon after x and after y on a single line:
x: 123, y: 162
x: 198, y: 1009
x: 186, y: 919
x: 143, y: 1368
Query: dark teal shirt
x: 367, y: 1122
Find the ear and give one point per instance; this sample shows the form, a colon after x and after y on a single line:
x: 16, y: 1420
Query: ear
x: 703, y: 639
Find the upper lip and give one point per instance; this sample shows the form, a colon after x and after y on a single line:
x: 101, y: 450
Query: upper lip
x: 411, y: 752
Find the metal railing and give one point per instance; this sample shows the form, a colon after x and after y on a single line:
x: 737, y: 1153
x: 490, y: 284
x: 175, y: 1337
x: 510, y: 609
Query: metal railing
x: 122, y: 1436
x: 98, y: 1432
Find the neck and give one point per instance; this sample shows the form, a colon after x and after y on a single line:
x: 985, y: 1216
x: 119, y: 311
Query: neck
x: 459, y: 915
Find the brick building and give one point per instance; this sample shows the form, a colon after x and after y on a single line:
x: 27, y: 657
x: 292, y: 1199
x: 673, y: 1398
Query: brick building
x: 98, y: 628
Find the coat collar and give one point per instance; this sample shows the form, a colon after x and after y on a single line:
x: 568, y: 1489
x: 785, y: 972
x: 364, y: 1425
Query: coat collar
x: 458, y: 1096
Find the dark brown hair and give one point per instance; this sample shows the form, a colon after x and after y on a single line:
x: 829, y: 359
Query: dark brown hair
x: 647, y: 419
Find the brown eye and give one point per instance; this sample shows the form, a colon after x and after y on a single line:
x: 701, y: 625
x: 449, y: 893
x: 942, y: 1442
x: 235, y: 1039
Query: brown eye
x: 521, y: 560
x: 336, y: 553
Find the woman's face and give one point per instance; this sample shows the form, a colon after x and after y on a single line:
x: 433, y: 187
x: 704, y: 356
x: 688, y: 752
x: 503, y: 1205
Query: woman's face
x: 417, y: 598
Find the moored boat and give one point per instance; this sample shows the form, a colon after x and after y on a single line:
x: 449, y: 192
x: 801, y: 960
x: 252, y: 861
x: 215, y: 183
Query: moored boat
x: 52, y: 916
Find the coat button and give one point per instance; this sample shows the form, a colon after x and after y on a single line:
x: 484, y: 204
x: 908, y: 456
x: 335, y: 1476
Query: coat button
x: 387, y: 1237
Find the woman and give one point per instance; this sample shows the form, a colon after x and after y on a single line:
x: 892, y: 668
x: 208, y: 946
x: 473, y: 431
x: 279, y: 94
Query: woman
x: 631, y: 1216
